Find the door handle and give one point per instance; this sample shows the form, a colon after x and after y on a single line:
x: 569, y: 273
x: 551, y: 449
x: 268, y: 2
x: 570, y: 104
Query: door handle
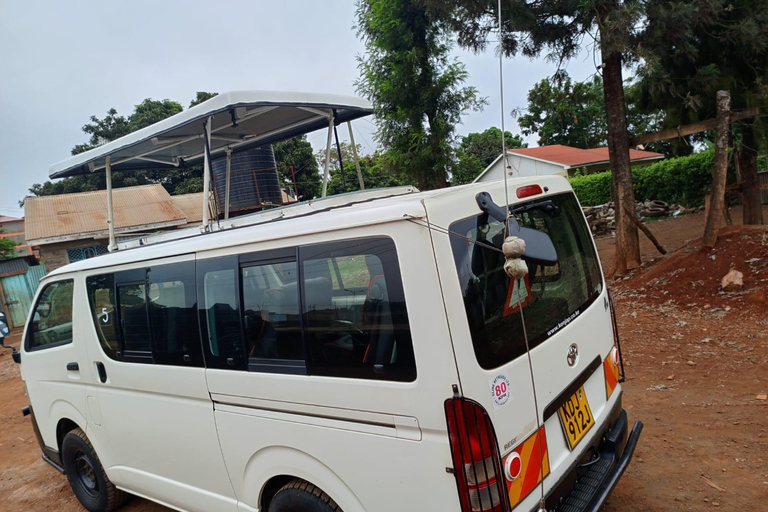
x: 73, y: 367
x: 102, y: 371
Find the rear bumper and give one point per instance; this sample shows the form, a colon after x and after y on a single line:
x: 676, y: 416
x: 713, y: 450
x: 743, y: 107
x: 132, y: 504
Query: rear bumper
x: 587, y: 486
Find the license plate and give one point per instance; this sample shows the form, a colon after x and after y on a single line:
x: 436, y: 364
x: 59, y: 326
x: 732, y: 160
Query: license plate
x: 576, y: 417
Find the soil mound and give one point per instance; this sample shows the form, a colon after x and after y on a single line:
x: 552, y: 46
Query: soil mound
x: 691, y: 276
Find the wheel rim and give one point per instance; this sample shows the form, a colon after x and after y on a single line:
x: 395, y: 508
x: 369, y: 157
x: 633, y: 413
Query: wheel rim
x: 86, y: 475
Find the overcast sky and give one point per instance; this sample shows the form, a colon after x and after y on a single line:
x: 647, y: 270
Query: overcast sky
x: 61, y: 62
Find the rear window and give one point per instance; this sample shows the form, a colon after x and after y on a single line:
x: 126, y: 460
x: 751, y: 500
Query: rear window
x: 551, y: 297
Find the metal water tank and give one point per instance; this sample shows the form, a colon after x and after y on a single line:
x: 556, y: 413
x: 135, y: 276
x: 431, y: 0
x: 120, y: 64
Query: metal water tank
x: 253, y: 180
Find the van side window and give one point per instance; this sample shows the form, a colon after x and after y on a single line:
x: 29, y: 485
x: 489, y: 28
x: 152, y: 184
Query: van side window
x: 354, y: 311
x: 101, y: 296
x: 271, y: 320
x: 148, y: 315
x: 172, y: 306
x: 217, y: 289
x: 51, y: 324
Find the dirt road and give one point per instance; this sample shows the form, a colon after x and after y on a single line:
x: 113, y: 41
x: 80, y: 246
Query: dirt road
x: 696, y: 361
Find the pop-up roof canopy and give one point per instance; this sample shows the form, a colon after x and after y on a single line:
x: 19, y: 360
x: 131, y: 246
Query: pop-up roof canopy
x: 240, y: 119
x: 225, y: 124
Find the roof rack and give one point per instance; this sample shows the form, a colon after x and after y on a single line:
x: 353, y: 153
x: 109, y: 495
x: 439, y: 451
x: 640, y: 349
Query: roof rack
x: 227, y: 123
x: 275, y: 214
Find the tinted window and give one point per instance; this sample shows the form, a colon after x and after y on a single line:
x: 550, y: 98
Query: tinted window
x: 134, y: 322
x: 172, y: 306
x: 52, y: 318
x: 271, y: 319
x: 550, y: 296
x: 355, y: 320
x: 220, y: 312
x: 148, y: 315
x: 101, y: 296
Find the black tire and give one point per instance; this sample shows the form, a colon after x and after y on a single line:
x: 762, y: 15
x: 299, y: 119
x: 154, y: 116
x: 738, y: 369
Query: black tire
x: 301, y: 496
x: 86, y: 475
x: 659, y: 204
x: 654, y: 212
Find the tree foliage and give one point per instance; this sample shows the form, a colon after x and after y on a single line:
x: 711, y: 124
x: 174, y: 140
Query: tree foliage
x: 372, y: 167
x: 566, y: 112
x: 477, y: 151
x: 7, y: 247
x: 694, y: 48
x: 417, y: 90
x: 561, y: 111
x: 296, y: 156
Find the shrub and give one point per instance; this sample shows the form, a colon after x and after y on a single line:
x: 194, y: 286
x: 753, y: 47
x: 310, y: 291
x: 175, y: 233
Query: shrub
x: 682, y: 180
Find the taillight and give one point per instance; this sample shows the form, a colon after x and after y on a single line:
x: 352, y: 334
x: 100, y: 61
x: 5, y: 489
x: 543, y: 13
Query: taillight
x: 615, y: 354
x: 476, y: 459
x: 528, y: 190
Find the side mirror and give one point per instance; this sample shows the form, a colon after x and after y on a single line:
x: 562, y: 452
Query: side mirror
x: 16, y: 354
x: 538, y: 245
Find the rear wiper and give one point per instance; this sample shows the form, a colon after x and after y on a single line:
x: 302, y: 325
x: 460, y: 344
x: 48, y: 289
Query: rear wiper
x: 547, y: 206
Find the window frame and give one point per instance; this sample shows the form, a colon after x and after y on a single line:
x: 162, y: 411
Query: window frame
x: 264, y: 258
x: 394, y: 283
x: 30, y: 334
x: 142, y: 276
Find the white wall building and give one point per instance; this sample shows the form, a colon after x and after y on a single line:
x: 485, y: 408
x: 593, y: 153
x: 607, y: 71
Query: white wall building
x: 560, y: 160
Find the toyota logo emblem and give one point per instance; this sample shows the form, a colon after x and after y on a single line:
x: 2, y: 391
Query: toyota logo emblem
x: 573, y: 354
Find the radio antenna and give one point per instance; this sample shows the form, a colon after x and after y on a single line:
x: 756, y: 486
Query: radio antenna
x: 520, y: 282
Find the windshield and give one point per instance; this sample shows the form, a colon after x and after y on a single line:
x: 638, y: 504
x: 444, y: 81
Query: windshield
x: 551, y: 296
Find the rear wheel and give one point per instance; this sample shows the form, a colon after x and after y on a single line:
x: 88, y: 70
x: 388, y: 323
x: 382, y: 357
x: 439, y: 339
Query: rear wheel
x: 86, y: 475
x: 301, y: 496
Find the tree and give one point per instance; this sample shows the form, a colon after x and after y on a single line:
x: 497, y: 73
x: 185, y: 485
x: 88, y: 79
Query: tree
x: 477, y: 151
x: 202, y: 96
x: 693, y: 48
x: 7, y: 248
x: 561, y: 111
x: 296, y: 156
x: 416, y: 88
x: 558, y: 26
x: 372, y: 167
x: 566, y: 112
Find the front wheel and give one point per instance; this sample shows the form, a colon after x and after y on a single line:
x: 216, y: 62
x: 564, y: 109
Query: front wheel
x: 301, y: 496
x: 86, y: 475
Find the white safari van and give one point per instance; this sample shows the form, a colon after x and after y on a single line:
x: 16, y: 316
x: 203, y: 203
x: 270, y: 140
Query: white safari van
x: 364, y: 352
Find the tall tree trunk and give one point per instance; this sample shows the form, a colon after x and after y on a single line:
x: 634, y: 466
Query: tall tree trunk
x: 752, y: 209
x: 627, y: 238
x: 719, y: 170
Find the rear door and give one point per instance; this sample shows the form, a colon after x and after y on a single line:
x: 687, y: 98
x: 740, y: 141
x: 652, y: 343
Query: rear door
x: 564, y: 317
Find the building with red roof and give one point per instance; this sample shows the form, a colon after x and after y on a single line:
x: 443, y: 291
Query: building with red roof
x: 559, y: 159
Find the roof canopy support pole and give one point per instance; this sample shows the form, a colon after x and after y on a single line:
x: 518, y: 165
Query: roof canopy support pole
x: 226, y: 191
x: 357, y: 158
x: 110, y: 210
x: 328, y: 155
x: 206, y: 174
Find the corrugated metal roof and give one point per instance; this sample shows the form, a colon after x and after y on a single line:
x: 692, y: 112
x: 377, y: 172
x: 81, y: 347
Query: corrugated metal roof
x: 84, y: 215
x: 4, y: 218
x: 192, y: 206
x: 567, y: 155
x: 17, y: 265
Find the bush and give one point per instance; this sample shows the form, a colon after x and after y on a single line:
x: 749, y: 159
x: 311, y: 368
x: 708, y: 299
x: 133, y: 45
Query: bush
x: 682, y: 180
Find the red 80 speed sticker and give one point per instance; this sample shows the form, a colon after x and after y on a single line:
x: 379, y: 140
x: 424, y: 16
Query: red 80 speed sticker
x: 500, y: 391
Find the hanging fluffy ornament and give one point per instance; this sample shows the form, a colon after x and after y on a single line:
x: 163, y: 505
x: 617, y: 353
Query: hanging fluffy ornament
x: 516, y: 268
x: 513, y: 247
